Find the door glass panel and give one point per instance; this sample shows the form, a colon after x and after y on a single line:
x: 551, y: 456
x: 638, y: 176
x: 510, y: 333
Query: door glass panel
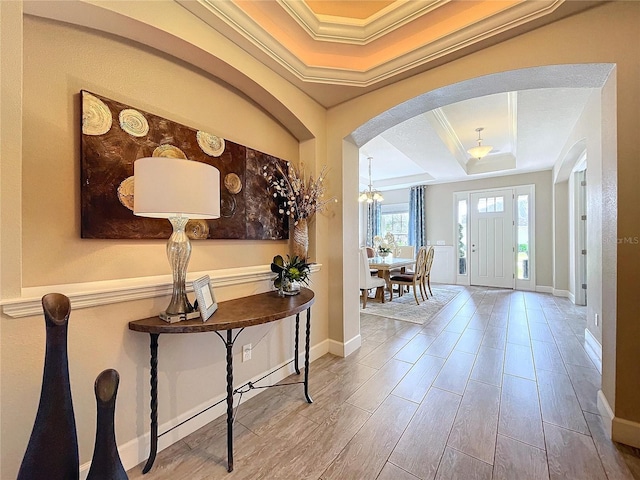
x: 482, y: 205
x: 491, y: 204
x: 499, y: 204
x: 523, y: 237
x: 462, y: 237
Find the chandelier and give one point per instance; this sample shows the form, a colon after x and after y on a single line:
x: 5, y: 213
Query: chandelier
x: 481, y: 150
x: 370, y: 195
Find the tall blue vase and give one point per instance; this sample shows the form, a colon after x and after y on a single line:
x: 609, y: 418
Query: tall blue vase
x: 52, y: 452
x: 106, y: 464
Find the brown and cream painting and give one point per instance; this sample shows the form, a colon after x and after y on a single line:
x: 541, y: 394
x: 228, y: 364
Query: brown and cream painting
x: 114, y: 135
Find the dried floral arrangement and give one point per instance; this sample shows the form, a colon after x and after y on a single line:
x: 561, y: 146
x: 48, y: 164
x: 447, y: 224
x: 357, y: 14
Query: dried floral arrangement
x: 299, y: 198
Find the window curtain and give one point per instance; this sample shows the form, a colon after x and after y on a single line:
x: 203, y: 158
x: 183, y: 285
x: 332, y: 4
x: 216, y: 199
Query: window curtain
x: 373, y: 221
x: 417, y: 216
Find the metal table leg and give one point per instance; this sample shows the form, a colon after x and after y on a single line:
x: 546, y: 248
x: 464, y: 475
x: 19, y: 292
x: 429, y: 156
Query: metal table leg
x: 229, y: 344
x: 154, y: 402
x: 295, y: 355
x: 306, y: 357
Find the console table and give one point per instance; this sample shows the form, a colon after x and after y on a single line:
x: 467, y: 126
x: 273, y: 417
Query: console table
x: 233, y: 314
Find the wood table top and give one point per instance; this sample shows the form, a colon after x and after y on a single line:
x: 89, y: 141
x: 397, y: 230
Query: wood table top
x: 237, y: 313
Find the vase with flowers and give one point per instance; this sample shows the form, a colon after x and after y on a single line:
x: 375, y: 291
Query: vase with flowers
x: 299, y: 199
x: 291, y: 274
x: 385, y: 245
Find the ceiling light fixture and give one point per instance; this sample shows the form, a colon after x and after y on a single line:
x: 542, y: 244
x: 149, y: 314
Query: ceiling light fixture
x: 370, y: 195
x: 481, y: 150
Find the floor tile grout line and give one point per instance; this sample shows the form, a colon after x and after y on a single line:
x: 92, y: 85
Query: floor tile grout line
x: 535, y: 369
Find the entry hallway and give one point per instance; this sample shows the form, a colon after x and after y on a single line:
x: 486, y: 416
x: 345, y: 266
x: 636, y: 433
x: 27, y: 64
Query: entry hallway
x: 497, y: 385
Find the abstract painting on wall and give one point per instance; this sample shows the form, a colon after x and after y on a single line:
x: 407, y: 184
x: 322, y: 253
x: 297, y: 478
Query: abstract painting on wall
x: 114, y: 135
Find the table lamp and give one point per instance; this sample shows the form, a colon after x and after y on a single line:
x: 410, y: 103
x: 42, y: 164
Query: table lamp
x: 179, y: 190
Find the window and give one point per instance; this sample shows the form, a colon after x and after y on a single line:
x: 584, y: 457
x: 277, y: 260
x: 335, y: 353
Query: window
x: 395, y: 219
x: 462, y: 237
x: 523, y: 237
x: 490, y: 204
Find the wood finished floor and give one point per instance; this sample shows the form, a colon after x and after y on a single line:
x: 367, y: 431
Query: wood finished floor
x: 497, y: 385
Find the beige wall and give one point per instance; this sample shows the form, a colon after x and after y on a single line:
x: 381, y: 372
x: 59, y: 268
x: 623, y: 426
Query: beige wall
x: 587, y: 137
x: 604, y: 34
x: 59, y: 60
x: 51, y: 185
x: 439, y: 200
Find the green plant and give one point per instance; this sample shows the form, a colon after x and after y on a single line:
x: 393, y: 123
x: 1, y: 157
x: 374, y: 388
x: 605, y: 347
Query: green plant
x: 294, y: 269
x: 382, y: 249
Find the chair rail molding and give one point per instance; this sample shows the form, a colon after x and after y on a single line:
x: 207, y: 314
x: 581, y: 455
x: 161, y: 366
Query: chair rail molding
x: 106, y: 292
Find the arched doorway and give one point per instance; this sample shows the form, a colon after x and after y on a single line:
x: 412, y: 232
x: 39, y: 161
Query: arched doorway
x: 595, y: 76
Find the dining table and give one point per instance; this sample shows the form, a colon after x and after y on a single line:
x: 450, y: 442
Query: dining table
x: 384, y: 265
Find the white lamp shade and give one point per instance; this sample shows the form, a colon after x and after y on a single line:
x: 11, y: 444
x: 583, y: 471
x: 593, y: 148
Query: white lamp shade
x: 169, y: 187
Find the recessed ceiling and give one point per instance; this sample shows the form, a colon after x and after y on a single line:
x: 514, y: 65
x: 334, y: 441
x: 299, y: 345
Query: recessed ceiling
x: 335, y: 50
x: 526, y: 129
x: 360, y: 10
x: 358, y: 46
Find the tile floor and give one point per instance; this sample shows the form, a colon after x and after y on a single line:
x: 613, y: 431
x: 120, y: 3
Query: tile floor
x: 497, y: 385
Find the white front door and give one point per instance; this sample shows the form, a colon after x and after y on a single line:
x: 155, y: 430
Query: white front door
x: 491, y: 234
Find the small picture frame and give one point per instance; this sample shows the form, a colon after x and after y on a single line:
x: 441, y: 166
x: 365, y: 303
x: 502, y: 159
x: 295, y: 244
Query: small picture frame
x: 205, y: 298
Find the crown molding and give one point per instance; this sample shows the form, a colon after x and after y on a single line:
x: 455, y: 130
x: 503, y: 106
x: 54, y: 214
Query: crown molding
x: 403, y: 182
x: 229, y: 18
x: 329, y: 28
x: 440, y: 123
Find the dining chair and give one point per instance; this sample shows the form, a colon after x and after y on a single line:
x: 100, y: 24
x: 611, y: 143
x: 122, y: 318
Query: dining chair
x: 367, y: 282
x: 404, y: 251
x: 370, y: 254
x: 407, y: 251
x: 414, y: 279
x: 427, y: 271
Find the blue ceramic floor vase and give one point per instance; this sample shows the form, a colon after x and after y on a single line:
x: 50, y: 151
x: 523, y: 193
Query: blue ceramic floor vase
x: 106, y: 464
x: 52, y: 451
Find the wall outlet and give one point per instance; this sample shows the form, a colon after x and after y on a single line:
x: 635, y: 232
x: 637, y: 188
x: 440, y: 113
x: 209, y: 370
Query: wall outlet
x: 597, y: 319
x: 440, y: 242
x: 246, y: 353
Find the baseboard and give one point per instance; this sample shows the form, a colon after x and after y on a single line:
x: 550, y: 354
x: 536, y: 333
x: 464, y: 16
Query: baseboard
x: 593, y: 343
x: 544, y: 289
x: 606, y: 413
x: 556, y: 292
x: 352, y: 345
x: 572, y: 298
x: 344, y: 349
x: 618, y: 429
x: 625, y: 431
x: 136, y: 451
